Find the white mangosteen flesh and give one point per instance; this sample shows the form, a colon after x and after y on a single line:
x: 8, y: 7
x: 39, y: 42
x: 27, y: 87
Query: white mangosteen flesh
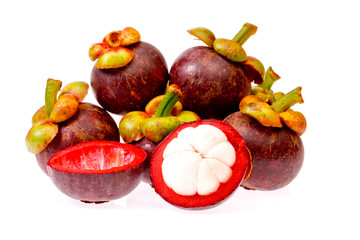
x: 198, y: 160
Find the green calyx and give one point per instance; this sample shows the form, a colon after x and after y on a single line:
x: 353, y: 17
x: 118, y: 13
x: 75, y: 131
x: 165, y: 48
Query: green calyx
x: 158, y: 127
x: 52, y: 88
x: 172, y: 95
x: 155, y: 125
x: 231, y: 49
x: 245, y: 33
x: 58, y: 108
x: 270, y: 78
x: 113, y: 51
x: 288, y: 100
x: 274, y: 109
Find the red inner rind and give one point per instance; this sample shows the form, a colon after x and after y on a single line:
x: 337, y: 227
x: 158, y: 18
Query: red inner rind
x: 97, y: 157
x: 225, y: 189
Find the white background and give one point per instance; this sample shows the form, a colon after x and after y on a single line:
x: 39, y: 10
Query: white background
x: 313, y: 44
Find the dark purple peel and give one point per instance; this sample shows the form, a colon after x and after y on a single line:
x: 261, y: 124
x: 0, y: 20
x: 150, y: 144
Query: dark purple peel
x: 96, y: 188
x: 97, y: 171
x: 149, y: 147
x: 277, y: 153
x: 89, y: 123
x: 129, y: 88
x: 212, y: 85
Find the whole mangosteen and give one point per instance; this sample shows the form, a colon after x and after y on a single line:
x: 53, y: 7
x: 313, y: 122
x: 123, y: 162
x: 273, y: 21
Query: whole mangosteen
x: 89, y: 123
x: 69, y: 122
x: 272, y: 134
x: 214, y: 79
x: 128, y: 72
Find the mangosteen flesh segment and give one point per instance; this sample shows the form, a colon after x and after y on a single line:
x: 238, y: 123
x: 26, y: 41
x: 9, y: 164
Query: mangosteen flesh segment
x: 198, y: 161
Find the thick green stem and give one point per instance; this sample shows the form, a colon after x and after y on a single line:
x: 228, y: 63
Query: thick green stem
x: 288, y: 100
x: 270, y: 78
x: 172, y: 95
x: 245, y: 33
x: 51, y: 91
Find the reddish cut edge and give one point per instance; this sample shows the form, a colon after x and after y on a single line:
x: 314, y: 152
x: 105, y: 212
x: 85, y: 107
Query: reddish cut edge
x: 80, y: 149
x: 225, y: 189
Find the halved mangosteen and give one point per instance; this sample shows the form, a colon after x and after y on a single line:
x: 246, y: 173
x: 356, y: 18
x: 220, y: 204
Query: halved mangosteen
x: 97, y: 171
x: 199, y: 164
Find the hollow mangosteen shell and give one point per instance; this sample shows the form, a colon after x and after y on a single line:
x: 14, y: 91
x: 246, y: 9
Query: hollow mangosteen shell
x: 89, y: 123
x: 227, y: 189
x: 212, y: 86
x: 98, y: 186
x: 277, y: 153
x: 129, y: 88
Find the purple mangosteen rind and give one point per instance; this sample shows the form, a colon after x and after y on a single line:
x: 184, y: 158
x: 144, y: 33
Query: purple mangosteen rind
x: 97, y: 188
x: 129, y: 88
x: 149, y: 147
x: 212, y: 85
x: 89, y: 123
x: 277, y: 153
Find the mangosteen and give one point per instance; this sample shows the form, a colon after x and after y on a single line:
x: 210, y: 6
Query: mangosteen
x: 128, y: 74
x: 277, y: 153
x: 272, y: 135
x: 215, y: 78
x: 65, y: 120
x: 99, y: 171
x: 90, y: 123
x: 200, y: 164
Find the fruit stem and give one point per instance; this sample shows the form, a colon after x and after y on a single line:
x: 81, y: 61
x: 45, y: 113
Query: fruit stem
x: 172, y: 95
x: 288, y: 100
x: 270, y: 78
x: 52, y: 88
x: 245, y: 33
x: 113, y: 38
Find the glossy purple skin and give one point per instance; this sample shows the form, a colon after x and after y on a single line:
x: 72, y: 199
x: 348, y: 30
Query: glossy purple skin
x: 89, y: 123
x: 129, y: 88
x: 212, y: 85
x: 96, y: 188
x: 149, y: 147
x: 277, y: 153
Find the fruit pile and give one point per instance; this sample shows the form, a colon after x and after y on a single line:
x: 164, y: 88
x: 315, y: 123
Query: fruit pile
x: 195, y: 133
